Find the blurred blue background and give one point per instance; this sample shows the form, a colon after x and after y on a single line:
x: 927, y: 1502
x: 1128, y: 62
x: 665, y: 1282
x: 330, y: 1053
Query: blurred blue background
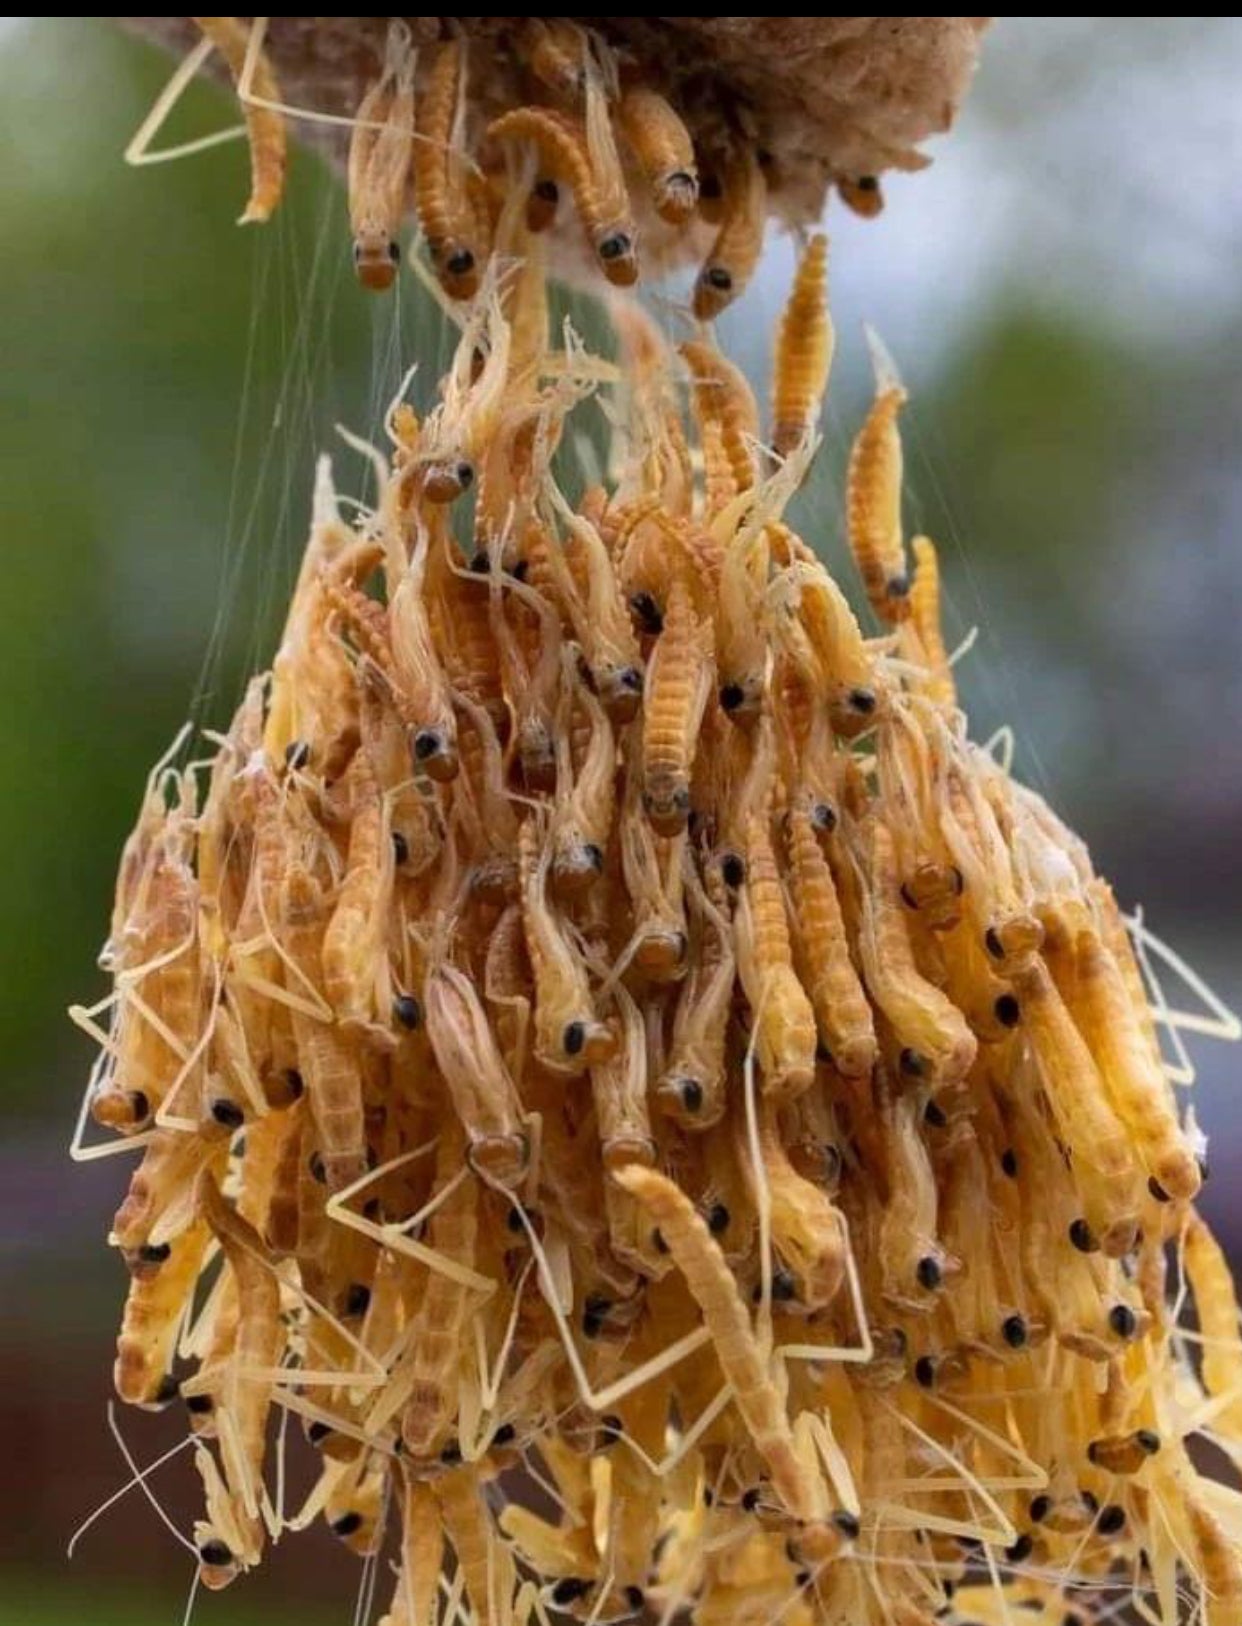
x: 1062, y: 292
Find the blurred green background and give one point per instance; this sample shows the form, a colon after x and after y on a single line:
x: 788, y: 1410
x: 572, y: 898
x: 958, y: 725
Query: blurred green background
x: 1062, y: 293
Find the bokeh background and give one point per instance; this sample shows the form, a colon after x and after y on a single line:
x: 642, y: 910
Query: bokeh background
x: 1062, y: 290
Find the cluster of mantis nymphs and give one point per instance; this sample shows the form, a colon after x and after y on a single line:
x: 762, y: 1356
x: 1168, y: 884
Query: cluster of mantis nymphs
x: 681, y: 1129
x: 544, y: 116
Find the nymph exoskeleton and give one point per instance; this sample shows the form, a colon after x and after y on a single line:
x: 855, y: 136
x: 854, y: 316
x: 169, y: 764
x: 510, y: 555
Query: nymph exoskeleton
x: 661, y: 143
x: 804, y: 346
x: 714, y: 1288
x: 822, y: 952
x: 679, y: 680
x: 734, y: 255
x: 784, y: 1021
x: 692, y: 1089
x: 873, y: 495
x: 569, y: 1036
x: 428, y: 1376
x: 934, y: 1041
x: 599, y: 193
x: 479, y: 1085
x: 381, y: 149
x: 265, y: 129
x: 447, y: 189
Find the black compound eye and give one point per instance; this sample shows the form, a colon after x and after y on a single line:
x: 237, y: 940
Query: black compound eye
x: 228, y: 1114
x: 784, y: 1288
x: 717, y: 277
x: 823, y: 817
x: 862, y: 701
x: 569, y: 1590
x: 647, y: 611
x: 732, y: 695
x: 912, y: 1063
x: 504, y: 1435
x: 407, y: 1010
x: 733, y: 870
x: 297, y: 754
x: 154, y: 1253
x: 318, y: 1172
x: 929, y: 1273
x: 717, y: 1219
x: 1123, y: 1321
x: 681, y: 799
x: 691, y: 1095
x: 347, y: 1523
x: 630, y: 678
x: 400, y: 847
x: 867, y: 183
x: 199, y: 1405
x: 459, y: 264
x: 1014, y: 1331
x: 993, y: 944
x: 1081, y: 1237
x: 547, y: 191
x: 1007, y: 1011
x: 593, y: 856
x: 925, y: 1371
x: 1009, y: 1162
x: 357, y: 1298
x: 450, y: 1456
x: 1040, y: 1508
x: 847, y: 1523
x: 615, y: 247
x: 394, y: 252
x: 428, y: 742
x: 573, y: 1038
x: 1020, y: 1550
x: 215, y: 1554
x: 464, y: 474
x: 1112, y: 1519
x: 1148, y: 1439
